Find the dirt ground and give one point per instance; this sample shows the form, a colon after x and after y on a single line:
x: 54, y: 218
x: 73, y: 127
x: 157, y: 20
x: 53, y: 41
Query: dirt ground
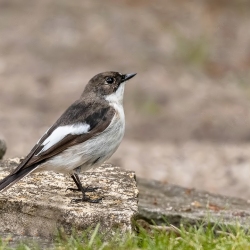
x: 187, y: 110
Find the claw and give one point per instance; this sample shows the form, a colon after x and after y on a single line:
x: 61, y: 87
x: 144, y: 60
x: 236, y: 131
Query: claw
x: 90, y: 189
x: 87, y: 189
x: 84, y: 190
x: 86, y: 199
x: 73, y: 189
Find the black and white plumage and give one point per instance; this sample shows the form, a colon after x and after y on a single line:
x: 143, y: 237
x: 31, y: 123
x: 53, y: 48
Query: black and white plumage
x: 86, y: 134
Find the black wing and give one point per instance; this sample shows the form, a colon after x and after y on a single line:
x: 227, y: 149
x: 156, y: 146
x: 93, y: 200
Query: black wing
x: 97, y: 115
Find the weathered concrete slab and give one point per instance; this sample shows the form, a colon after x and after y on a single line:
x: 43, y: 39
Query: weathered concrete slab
x: 39, y: 204
x: 163, y: 203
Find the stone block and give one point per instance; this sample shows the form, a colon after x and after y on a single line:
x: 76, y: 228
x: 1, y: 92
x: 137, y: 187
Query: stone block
x: 39, y: 204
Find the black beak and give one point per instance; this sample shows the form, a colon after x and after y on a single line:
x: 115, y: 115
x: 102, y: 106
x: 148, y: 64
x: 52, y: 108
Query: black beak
x: 126, y: 77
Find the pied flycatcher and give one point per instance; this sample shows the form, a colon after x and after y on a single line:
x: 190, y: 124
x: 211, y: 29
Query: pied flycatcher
x: 85, y: 136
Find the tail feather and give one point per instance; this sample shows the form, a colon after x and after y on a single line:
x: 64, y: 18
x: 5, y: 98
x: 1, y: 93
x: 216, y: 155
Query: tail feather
x: 11, y: 179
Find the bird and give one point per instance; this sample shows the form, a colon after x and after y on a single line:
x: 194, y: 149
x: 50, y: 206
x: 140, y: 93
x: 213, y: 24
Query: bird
x: 85, y: 135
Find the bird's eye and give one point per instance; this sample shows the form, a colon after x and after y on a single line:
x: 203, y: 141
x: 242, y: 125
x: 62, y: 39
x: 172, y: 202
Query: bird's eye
x: 109, y: 80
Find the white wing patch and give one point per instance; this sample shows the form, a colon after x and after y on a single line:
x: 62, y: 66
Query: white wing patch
x: 59, y: 133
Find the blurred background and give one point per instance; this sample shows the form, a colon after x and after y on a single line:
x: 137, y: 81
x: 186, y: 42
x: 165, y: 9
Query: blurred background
x: 187, y: 110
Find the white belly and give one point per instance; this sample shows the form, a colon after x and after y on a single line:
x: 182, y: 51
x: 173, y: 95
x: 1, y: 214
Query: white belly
x: 91, y: 153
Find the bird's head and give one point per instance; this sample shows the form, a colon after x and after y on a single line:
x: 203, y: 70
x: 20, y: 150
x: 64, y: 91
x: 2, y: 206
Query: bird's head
x: 108, y: 85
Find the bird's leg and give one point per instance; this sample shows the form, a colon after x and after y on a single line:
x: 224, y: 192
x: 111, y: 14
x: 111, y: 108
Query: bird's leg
x: 78, y: 183
x: 78, y: 189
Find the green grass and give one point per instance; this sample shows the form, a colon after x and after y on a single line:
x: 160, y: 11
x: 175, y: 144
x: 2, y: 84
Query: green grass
x: 193, y: 238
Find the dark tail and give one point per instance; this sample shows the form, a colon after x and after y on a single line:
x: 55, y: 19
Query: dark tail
x: 11, y: 179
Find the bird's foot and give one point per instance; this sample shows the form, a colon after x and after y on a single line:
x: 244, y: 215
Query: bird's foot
x: 87, y: 189
x: 90, y: 189
x: 73, y: 189
x: 86, y: 199
x: 84, y: 190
